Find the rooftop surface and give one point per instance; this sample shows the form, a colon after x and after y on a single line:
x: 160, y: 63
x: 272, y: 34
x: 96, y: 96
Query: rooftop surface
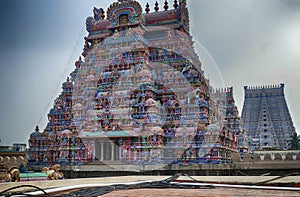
x: 219, y: 190
x: 224, y: 192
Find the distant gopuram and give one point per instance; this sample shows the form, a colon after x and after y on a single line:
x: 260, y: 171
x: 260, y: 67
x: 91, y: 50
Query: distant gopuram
x: 266, y: 117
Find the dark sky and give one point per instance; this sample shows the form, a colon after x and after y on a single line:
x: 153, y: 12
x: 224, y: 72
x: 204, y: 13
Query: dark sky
x: 249, y: 42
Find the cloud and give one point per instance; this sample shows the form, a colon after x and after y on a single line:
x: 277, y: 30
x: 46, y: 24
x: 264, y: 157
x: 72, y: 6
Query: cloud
x: 293, y: 4
x: 252, y: 42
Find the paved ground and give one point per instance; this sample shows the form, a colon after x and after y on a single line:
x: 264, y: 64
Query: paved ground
x: 216, y: 192
x: 172, y: 192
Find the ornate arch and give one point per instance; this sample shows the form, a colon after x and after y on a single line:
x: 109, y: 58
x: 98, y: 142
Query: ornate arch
x: 130, y: 8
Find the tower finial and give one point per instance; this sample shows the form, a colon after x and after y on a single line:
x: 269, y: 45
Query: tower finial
x: 97, y: 13
x: 175, y: 4
x: 147, y: 8
x: 102, y: 13
x: 166, y: 5
x: 156, y: 8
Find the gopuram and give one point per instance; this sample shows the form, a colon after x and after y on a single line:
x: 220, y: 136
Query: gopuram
x: 266, y: 117
x: 138, y: 95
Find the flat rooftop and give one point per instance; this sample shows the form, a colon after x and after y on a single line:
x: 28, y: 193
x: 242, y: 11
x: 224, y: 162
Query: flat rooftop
x: 217, y: 191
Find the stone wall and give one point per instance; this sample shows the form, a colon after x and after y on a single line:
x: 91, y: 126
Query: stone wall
x: 13, y: 159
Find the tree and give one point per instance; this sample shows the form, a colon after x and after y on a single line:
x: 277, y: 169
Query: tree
x: 294, y: 142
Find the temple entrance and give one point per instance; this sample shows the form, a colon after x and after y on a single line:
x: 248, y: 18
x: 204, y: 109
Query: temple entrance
x: 106, y: 150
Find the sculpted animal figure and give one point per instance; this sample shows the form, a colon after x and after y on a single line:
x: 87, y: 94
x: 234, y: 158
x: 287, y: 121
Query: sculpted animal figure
x: 11, y: 175
x: 53, y: 173
x: 15, y: 174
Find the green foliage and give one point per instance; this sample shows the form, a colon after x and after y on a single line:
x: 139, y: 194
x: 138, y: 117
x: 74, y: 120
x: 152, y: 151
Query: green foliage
x: 294, y: 142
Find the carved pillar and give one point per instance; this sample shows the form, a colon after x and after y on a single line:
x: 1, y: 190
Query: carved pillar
x: 112, y: 158
x: 93, y: 150
x: 129, y: 153
x: 272, y: 156
x: 120, y: 149
x: 102, y: 151
x: 262, y: 157
x: 294, y: 156
x: 283, y: 156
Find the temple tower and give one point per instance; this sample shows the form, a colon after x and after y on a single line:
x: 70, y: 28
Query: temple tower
x: 266, y: 117
x: 226, y: 114
x: 139, y: 95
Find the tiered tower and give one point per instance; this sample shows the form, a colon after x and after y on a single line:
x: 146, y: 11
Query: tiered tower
x: 59, y: 142
x: 140, y: 94
x: 227, y: 117
x: 266, y: 117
